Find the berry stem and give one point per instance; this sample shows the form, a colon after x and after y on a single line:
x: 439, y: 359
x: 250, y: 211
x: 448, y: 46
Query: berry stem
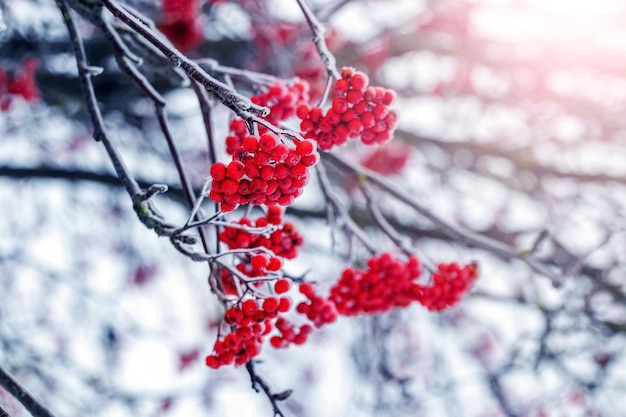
x: 318, y: 39
x: 333, y: 200
x: 453, y: 231
x: 241, y: 105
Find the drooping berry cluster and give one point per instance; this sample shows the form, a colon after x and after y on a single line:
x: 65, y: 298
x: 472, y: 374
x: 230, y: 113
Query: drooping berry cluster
x: 450, y: 282
x: 20, y: 83
x: 250, y: 323
x: 251, y: 320
x: 263, y: 171
x: 357, y: 110
x: 179, y: 23
x: 282, y: 100
x: 284, y: 241
x: 386, y: 284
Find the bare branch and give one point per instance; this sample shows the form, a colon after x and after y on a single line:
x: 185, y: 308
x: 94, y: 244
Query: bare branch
x: 13, y: 387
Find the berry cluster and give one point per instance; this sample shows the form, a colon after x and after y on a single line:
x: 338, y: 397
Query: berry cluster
x: 282, y: 100
x: 21, y: 84
x: 284, y: 241
x: 357, y: 110
x: 250, y: 321
x: 317, y: 309
x: 389, y: 283
x: 450, y: 282
x: 262, y: 171
x: 180, y: 23
x: 386, y: 284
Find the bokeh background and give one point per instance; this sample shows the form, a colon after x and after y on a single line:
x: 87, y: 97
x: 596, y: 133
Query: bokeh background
x: 511, y: 126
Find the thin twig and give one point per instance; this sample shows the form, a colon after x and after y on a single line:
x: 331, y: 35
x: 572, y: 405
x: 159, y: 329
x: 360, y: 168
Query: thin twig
x: 144, y: 209
x: 241, y: 105
x: 33, y: 405
x: 318, y: 39
x: 383, y: 224
x: 259, y: 78
x: 258, y: 382
x: 343, y: 214
x: 454, y: 231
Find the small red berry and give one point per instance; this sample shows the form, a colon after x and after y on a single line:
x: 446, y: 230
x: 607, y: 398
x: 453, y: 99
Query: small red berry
x: 282, y: 286
x: 235, y: 170
x: 218, y: 171
x: 274, y: 264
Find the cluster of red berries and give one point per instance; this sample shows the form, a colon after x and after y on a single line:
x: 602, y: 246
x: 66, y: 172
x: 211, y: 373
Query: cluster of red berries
x: 179, y: 23
x: 282, y: 100
x: 250, y: 321
x: 263, y: 171
x: 450, y: 282
x: 357, y: 110
x: 21, y: 83
x: 317, y: 309
x: 386, y: 284
x: 284, y: 241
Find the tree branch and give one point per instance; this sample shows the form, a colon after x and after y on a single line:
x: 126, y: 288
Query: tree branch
x: 34, y: 406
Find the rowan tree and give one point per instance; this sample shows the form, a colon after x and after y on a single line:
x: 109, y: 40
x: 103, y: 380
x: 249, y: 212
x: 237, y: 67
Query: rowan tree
x: 255, y: 207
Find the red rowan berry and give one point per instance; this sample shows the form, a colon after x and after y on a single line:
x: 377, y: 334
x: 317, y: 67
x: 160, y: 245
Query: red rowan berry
x: 307, y: 289
x: 259, y: 262
x: 359, y: 81
x: 267, y: 173
x: 274, y: 264
x: 341, y: 86
x: 339, y: 105
x: 216, y: 196
x: 279, y: 153
x: 270, y: 305
x: 226, y: 207
x: 315, y: 114
x: 218, y: 171
x: 302, y: 111
x: 251, y: 169
x: 310, y: 160
x: 249, y: 307
x: 229, y: 186
x: 235, y: 170
x: 261, y: 159
x: 284, y: 304
x: 250, y: 144
x: 346, y: 73
x: 305, y: 147
x: 267, y: 142
x: 282, y: 286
